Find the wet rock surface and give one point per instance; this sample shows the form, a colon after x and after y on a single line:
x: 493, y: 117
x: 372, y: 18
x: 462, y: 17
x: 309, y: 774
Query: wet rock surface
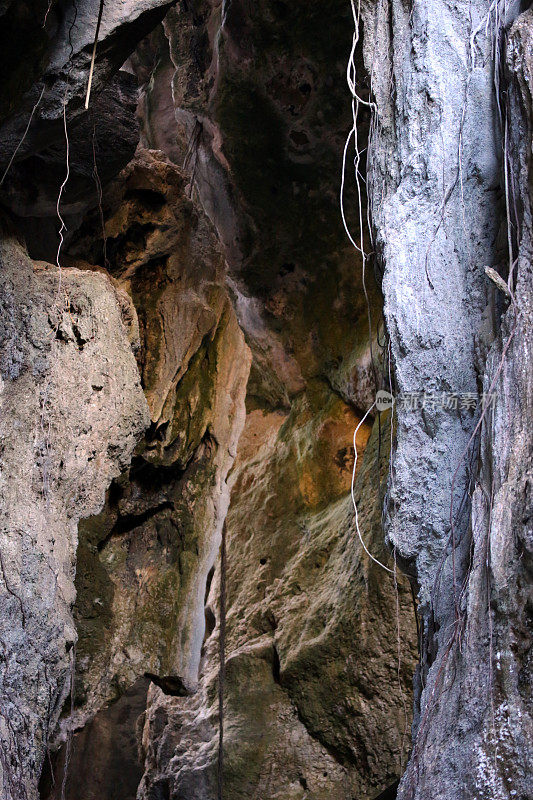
x: 45, y: 129
x: 156, y: 540
x: 260, y: 117
x: 104, y: 759
x: 304, y: 716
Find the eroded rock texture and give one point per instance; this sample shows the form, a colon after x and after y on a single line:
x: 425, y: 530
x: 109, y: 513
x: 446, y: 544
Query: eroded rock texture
x: 155, y: 543
x: 59, y: 341
x: 249, y: 89
x: 143, y: 563
x: 205, y: 355
x: 46, y: 50
x: 437, y: 196
x: 312, y: 629
x: 260, y: 116
x: 243, y: 118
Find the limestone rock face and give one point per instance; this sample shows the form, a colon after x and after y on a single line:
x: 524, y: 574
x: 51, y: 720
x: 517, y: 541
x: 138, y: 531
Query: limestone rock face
x: 144, y: 561
x: 110, y: 767
x: 45, y: 129
x: 200, y: 364
x: 72, y: 410
x: 157, y: 540
x: 311, y: 629
x: 434, y: 317
x: 260, y: 118
x: 91, y: 164
x: 162, y: 249
x: 436, y: 185
x: 249, y: 88
x: 54, y: 42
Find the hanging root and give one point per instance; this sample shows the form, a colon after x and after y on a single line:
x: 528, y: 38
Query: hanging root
x: 99, y: 195
x: 359, y: 246
x: 93, y: 58
x: 365, y: 548
x: 399, y: 662
x: 68, y: 746
x: 62, y: 227
x: 222, y: 666
x: 17, y: 148
x: 50, y: 3
x: 357, y: 102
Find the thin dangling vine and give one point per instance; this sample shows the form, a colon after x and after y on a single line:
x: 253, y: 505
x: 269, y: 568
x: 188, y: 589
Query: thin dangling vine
x: 222, y: 666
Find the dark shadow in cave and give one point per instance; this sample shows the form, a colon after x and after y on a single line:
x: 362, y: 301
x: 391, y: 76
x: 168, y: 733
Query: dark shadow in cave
x: 104, y: 760
x: 390, y: 793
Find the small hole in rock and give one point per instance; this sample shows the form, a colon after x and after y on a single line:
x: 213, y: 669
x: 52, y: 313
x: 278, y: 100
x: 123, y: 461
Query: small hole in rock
x: 299, y: 138
x: 286, y: 268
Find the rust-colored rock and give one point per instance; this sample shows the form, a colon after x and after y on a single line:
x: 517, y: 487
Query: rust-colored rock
x: 312, y: 632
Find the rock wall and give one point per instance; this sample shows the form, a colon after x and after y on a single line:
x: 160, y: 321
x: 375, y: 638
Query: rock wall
x: 62, y: 338
x: 204, y: 265
x: 144, y: 561
x: 44, y: 128
x: 260, y: 116
x: 286, y: 276
x: 152, y: 230
x: 312, y: 629
x: 438, y: 196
